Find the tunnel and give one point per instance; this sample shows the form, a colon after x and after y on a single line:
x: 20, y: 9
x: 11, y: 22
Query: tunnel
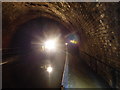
x: 24, y: 24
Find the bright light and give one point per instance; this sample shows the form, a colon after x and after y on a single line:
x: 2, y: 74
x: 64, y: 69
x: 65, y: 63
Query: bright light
x: 66, y: 43
x: 49, y: 69
x: 50, y: 44
x: 73, y: 41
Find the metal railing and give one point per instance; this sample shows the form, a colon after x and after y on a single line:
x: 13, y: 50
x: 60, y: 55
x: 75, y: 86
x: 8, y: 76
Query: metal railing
x: 113, y: 72
x: 65, y: 72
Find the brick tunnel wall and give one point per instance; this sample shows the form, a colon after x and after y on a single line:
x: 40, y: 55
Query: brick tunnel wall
x: 97, y: 25
x: 101, y: 44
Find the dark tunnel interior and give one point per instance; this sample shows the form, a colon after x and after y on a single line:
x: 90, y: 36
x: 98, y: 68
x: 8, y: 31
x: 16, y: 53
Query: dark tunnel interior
x: 26, y: 25
x: 36, y: 31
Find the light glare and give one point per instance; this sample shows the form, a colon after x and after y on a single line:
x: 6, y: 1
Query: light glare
x: 49, y: 69
x: 66, y: 43
x: 50, y: 44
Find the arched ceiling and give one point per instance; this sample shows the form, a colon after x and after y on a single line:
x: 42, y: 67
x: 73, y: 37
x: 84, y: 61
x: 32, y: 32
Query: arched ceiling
x: 97, y: 24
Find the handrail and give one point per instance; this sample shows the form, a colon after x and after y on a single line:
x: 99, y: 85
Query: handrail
x: 113, y: 70
x: 100, y: 61
x: 65, y: 66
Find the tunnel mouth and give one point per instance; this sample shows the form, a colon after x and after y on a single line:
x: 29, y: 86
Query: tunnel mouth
x: 27, y: 35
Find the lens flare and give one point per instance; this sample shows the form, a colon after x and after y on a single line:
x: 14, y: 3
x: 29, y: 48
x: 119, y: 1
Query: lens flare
x: 49, y: 69
x: 50, y: 44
